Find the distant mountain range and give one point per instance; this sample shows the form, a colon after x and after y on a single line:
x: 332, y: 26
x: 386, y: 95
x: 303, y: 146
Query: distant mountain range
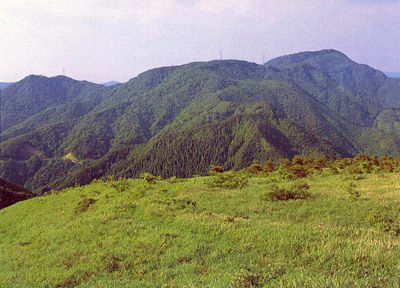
x: 393, y: 74
x: 5, y: 84
x: 107, y: 84
x: 176, y: 121
x: 111, y: 83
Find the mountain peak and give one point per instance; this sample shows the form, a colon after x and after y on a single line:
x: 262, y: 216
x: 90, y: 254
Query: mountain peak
x: 331, y: 56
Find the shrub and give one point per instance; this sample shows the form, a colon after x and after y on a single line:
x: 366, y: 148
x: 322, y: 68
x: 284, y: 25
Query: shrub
x: 255, y: 168
x: 353, y: 193
x: 149, y: 178
x: 387, y: 219
x: 230, y: 180
x: 247, y: 279
x: 184, y: 203
x: 281, y: 174
x: 120, y: 184
x: 295, y: 192
x: 174, y: 179
x: 269, y: 166
x: 214, y: 169
x: 84, y: 205
x: 298, y: 170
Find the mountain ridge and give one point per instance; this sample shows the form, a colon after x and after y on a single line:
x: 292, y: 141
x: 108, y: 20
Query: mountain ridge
x: 226, y: 112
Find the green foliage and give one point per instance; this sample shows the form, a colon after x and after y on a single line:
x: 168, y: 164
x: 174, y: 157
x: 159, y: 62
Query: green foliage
x: 119, y: 184
x: 164, y: 121
x: 184, y: 203
x: 296, y: 191
x: 214, y: 169
x: 84, y: 204
x: 247, y: 279
x: 11, y: 193
x: 269, y: 166
x: 228, y: 180
x: 352, y: 192
x: 149, y: 178
x: 255, y: 168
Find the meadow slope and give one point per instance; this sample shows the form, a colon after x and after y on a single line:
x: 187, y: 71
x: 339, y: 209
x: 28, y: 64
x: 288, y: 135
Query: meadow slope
x: 181, y: 233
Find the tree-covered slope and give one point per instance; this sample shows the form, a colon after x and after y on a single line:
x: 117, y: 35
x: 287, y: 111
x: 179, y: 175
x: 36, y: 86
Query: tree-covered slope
x: 4, y: 85
x: 178, y: 120
x: 361, y: 80
x: 11, y: 193
x: 35, y: 94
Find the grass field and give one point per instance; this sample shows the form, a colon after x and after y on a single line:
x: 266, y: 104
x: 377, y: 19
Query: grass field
x: 182, y: 233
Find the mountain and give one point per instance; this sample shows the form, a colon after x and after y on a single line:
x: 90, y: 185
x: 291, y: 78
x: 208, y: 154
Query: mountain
x: 4, y: 85
x: 176, y: 121
x: 34, y: 94
x: 11, y: 193
x: 393, y: 74
x: 111, y: 83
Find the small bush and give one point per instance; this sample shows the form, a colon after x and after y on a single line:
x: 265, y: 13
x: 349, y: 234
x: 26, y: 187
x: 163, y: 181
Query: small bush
x: 174, y: 179
x: 247, y: 279
x: 214, y: 169
x: 184, y: 203
x: 229, y: 180
x: 352, y: 192
x: 256, y: 277
x: 269, y: 166
x: 387, y: 219
x: 149, y: 178
x: 295, y: 192
x: 84, y: 205
x: 97, y: 181
x: 255, y: 168
x: 119, y: 184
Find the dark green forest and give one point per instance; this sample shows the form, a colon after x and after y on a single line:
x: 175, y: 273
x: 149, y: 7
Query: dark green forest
x: 177, y: 121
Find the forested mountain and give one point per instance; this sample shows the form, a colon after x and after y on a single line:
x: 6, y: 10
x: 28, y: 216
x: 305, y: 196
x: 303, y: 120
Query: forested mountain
x: 111, y: 83
x: 4, y: 85
x: 393, y: 74
x: 11, y: 193
x: 34, y: 94
x: 178, y: 120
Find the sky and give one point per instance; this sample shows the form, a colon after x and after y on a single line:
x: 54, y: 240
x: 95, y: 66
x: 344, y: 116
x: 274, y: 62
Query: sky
x: 103, y: 40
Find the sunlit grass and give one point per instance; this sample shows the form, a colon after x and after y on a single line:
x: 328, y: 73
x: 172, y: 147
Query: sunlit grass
x: 186, y: 234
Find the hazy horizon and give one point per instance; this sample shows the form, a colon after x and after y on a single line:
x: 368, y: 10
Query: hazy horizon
x: 99, y: 41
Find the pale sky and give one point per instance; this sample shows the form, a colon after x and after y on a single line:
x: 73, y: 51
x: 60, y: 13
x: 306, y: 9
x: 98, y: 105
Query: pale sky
x: 102, y: 40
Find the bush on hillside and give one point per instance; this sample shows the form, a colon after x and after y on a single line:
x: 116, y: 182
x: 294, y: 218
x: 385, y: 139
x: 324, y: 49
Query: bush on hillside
x: 119, y: 184
x: 269, y: 166
x: 84, y: 205
x: 214, y: 169
x: 254, y: 168
x: 295, y: 192
x: 149, y: 178
x: 352, y: 192
x: 387, y: 219
x: 229, y: 180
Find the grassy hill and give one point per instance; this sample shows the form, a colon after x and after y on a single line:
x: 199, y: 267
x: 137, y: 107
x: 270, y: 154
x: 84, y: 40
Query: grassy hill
x: 183, y: 233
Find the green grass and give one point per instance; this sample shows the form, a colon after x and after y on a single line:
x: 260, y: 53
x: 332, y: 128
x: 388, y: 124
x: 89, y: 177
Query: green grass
x: 184, y: 234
